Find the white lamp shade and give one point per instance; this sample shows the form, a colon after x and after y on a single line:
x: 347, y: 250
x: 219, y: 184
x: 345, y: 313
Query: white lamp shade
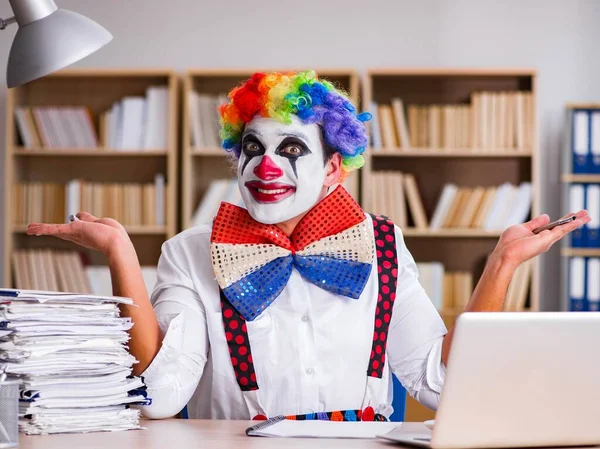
x: 52, y: 43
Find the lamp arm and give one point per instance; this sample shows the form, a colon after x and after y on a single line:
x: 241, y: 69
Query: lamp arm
x: 5, y: 22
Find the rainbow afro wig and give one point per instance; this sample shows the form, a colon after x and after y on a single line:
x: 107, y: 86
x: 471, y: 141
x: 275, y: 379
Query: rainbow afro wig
x: 280, y: 95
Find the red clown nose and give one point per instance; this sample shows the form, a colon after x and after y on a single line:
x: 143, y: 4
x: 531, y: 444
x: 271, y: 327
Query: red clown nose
x: 267, y: 170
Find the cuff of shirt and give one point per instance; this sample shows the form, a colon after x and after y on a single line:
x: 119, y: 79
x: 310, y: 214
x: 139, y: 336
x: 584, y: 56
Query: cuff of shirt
x: 172, y: 345
x: 435, y: 374
x: 436, y: 370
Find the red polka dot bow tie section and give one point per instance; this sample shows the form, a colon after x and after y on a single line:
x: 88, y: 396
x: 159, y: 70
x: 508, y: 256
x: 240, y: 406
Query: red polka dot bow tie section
x: 332, y: 247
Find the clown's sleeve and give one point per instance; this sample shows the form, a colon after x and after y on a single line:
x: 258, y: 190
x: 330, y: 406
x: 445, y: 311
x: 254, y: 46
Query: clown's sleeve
x: 416, y: 334
x: 175, y: 372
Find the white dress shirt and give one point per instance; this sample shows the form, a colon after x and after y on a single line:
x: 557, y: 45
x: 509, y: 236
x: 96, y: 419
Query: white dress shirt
x: 311, y: 348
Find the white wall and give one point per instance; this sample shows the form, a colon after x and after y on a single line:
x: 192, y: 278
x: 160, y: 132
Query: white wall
x: 557, y: 37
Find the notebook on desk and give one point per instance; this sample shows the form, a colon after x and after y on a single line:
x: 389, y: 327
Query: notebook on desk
x: 517, y: 380
x: 279, y: 427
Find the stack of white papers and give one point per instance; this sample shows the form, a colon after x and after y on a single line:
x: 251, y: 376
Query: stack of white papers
x: 70, y: 353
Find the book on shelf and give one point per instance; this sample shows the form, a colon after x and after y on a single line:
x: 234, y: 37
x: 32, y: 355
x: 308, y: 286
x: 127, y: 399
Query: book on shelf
x: 491, y: 121
x: 396, y: 195
x: 55, y: 127
x: 129, y: 203
x: 584, y: 284
x: 204, y: 119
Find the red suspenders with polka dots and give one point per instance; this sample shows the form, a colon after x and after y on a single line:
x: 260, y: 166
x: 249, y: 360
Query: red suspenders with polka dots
x: 236, y: 332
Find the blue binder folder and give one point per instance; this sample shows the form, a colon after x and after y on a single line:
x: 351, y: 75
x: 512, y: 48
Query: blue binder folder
x: 580, y: 144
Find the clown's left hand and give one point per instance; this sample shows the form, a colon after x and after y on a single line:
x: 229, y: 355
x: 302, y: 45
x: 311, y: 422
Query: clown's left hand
x: 518, y: 243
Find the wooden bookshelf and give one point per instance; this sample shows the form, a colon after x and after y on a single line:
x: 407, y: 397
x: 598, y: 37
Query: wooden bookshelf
x: 467, y: 165
x: 97, y: 90
x: 458, y: 249
x: 200, y: 166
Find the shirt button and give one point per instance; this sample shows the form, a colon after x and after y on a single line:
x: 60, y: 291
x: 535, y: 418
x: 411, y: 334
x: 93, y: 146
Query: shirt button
x: 305, y: 318
x: 309, y: 371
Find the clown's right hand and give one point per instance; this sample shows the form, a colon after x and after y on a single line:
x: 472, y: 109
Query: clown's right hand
x: 101, y: 234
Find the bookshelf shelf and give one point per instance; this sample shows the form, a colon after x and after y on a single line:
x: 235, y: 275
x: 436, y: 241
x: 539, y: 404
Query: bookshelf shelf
x: 580, y: 252
x: 449, y: 153
x: 446, y: 233
x: 95, y: 152
x: 582, y: 106
x: 204, y: 164
x: 566, y: 178
x: 131, y: 230
x: 109, y: 179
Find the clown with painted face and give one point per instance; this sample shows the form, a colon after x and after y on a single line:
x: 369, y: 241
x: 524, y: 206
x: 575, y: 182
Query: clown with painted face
x: 300, y: 303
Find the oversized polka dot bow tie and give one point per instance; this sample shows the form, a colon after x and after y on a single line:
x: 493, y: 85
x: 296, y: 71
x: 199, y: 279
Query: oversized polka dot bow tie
x: 332, y: 247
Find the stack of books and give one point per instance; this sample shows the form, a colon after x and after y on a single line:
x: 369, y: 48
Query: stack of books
x: 491, y: 208
x: 130, y: 204
x: 49, y: 270
x: 396, y: 195
x: 491, y: 121
x: 132, y: 123
x: 56, y: 270
x: 56, y: 127
x: 70, y: 353
x: 137, y: 123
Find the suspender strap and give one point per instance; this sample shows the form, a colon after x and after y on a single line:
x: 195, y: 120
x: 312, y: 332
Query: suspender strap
x: 239, y: 345
x: 387, y: 268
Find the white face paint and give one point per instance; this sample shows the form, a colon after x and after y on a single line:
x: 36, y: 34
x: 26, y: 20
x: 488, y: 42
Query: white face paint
x: 281, y: 169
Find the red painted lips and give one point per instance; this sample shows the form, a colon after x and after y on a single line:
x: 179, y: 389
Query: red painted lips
x: 269, y: 193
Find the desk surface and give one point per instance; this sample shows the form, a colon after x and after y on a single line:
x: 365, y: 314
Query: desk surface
x: 190, y: 433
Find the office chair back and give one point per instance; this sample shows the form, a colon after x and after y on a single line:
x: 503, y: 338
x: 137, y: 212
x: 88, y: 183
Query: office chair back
x: 398, y: 401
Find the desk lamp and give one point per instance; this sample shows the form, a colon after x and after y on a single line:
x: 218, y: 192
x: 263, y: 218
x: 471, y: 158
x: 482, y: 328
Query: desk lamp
x: 48, y: 39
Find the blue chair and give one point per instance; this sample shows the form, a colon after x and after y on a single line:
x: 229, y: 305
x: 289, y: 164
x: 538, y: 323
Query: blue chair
x: 398, y: 401
x: 183, y: 414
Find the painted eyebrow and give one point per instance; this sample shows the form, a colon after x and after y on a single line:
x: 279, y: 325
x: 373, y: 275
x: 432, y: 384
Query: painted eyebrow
x: 297, y: 135
x: 252, y: 131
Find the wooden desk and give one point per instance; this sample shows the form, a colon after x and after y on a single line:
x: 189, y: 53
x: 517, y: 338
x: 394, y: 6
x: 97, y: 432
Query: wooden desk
x: 190, y: 433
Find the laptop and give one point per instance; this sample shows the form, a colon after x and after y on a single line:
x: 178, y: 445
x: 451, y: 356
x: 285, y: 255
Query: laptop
x: 517, y: 380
